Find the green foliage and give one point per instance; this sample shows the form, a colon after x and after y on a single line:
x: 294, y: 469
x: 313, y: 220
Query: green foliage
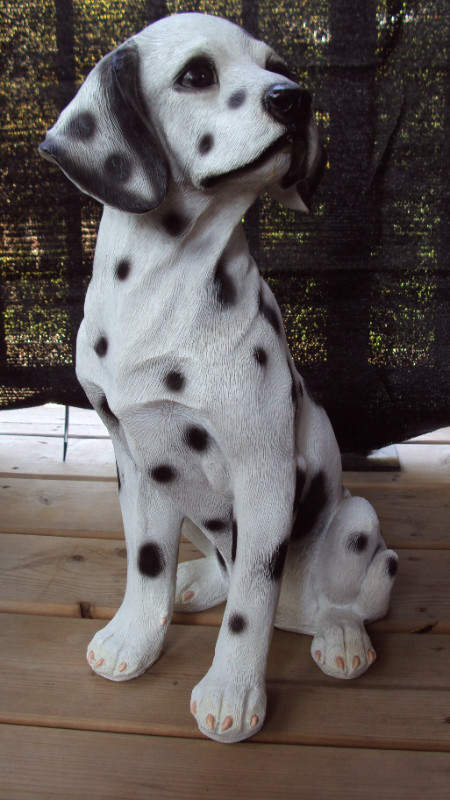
x: 302, y: 304
x: 101, y: 26
x: 231, y: 9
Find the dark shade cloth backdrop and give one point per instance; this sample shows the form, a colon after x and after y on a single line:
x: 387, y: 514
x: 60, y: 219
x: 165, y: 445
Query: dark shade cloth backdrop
x: 363, y: 282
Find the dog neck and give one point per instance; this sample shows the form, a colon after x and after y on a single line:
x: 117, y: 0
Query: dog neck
x: 190, y: 225
x: 179, y: 275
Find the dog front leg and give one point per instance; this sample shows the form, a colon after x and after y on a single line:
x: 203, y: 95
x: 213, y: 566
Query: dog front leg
x: 133, y: 639
x: 230, y: 702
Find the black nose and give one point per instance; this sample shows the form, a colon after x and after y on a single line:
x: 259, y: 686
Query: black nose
x: 288, y: 104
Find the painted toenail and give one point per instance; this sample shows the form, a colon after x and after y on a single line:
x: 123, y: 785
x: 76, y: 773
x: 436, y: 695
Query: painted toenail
x: 210, y: 722
x: 188, y: 596
x: 91, y: 657
x: 194, y: 707
x: 99, y: 662
x: 340, y: 662
x: 356, y: 662
x: 227, y: 723
x: 318, y: 655
x: 371, y: 655
x: 122, y: 666
x: 254, y: 721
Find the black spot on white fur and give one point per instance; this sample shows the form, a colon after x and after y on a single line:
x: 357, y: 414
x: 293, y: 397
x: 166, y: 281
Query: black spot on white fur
x: 101, y: 346
x: 163, y: 473
x: 197, y: 438
x: 175, y: 224
x: 237, y: 99
x: 175, y: 381
x: 273, y: 568
x: 234, y: 541
x: 357, y: 542
x: 237, y: 623
x: 151, y: 560
x: 215, y: 525
x: 123, y: 269
x: 260, y: 355
x: 392, y: 566
x: 205, y: 144
x: 82, y: 127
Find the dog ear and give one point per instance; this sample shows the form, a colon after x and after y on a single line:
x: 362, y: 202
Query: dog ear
x: 297, y: 195
x: 105, y: 142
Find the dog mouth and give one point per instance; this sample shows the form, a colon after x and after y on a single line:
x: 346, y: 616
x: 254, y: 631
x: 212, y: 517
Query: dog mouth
x: 296, y: 170
x: 286, y: 140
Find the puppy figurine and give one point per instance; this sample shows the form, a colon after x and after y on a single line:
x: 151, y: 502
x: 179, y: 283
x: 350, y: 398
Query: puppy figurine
x: 183, y: 354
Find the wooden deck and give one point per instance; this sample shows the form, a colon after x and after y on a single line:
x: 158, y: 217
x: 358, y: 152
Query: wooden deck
x: 68, y: 733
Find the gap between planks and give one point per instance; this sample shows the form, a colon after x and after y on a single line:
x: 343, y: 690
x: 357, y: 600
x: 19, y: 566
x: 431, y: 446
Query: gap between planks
x: 46, y: 681
x: 410, y: 516
x: 97, y: 471
x: 67, y: 576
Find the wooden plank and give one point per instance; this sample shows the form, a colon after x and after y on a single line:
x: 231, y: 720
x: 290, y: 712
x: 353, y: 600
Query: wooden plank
x: 65, y: 576
x: 42, y: 457
x: 26, y: 456
x: 86, y: 577
x: 81, y: 508
x: 41, y: 763
x: 401, y: 702
x: 357, y: 481
x: 411, y: 515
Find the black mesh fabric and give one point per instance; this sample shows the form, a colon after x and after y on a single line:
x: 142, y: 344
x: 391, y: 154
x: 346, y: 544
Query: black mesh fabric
x: 363, y: 281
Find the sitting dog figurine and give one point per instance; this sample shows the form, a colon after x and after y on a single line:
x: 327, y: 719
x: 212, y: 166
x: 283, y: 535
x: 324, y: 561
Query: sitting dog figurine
x: 183, y: 354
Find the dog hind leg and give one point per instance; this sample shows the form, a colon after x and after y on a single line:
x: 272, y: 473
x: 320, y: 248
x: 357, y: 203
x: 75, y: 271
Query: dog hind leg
x: 354, y: 577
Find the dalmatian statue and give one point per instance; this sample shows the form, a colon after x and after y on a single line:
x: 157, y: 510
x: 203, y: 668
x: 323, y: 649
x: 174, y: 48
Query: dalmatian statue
x: 183, y: 354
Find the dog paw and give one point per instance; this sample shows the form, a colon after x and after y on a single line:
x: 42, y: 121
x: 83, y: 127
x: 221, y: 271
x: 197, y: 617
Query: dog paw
x: 201, y: 584
x: 342, y: 649
x: 228, y: 710
x: 125, y: 648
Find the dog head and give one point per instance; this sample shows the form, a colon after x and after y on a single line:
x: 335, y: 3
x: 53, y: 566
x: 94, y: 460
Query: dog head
x: 192, y: 99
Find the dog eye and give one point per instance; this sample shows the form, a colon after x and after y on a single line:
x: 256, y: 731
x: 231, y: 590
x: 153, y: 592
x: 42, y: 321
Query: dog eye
x: 198, y: 74
x: 281, y: 69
